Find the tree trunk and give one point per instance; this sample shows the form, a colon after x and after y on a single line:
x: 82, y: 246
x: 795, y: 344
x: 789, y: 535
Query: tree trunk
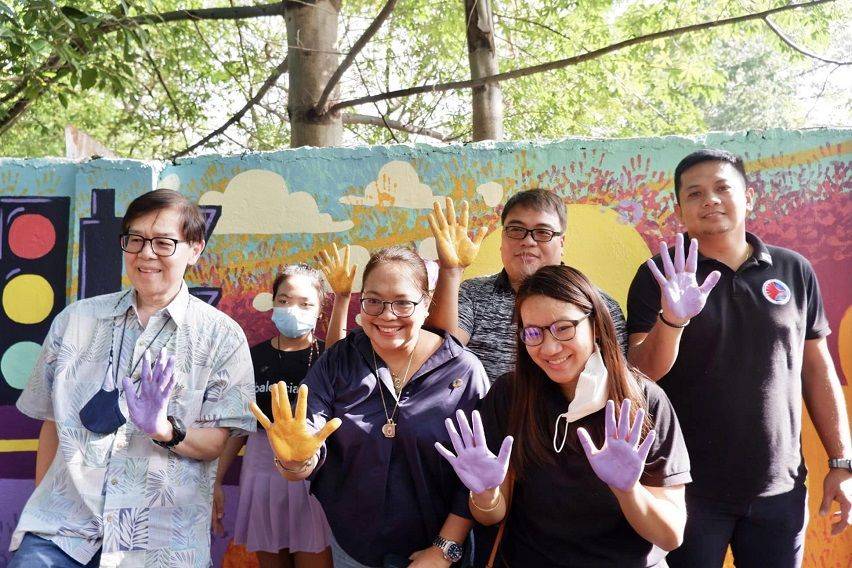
x: 312, y: 37
x: 482, y: 54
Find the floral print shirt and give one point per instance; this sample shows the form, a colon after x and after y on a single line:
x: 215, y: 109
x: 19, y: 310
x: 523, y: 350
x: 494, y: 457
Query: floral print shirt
x: 141, y: 504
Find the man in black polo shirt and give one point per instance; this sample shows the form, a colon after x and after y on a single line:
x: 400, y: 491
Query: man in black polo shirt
x: 736, y: 360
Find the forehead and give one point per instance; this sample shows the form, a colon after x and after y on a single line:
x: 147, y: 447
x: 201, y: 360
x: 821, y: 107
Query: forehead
x: 544, y: 310
x: 392, y: 280
x: 528, y: 217
x: 297, y: 286
x: 709, y: 173
x: 162, y: 222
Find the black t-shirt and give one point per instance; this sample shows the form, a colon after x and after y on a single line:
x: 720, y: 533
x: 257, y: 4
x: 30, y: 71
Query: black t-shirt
x: 272, y: 365
x: 736, y: 384
x: 562, y: 514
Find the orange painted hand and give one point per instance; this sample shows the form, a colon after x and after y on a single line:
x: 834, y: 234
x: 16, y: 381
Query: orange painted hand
x: 337, y: 271
x: 289, y: 436
x: 455, y: 247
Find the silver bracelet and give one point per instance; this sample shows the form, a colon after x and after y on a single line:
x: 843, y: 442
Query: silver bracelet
x: 301, y: 469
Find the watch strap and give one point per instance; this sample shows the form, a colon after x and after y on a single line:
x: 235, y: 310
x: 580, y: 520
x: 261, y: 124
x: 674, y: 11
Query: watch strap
x: 840, y: 463
x: 178, y: 434
x: 445, y: 545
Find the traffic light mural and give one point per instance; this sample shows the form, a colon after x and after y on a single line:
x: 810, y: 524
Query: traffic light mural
x: 33, y: 267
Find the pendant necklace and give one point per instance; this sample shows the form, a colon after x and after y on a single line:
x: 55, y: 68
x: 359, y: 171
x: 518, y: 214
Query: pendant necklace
x: 389, y: 429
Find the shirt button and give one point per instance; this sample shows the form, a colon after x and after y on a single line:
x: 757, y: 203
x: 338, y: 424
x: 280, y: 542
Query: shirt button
x: 114, y: 481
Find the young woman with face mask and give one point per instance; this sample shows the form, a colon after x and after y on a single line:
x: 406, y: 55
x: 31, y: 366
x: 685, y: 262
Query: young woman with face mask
x: 598, y: 463
x: 280, y: 521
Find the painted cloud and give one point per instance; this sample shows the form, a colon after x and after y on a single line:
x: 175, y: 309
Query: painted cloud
x: 257, y: 202
x: 397, y: 185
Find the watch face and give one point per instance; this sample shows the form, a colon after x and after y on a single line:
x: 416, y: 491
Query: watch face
x: 454, y: 552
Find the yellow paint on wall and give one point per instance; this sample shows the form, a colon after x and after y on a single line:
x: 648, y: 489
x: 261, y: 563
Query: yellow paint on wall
x: 28, y: 298
x: 604, y: 248
x: 797, y: 158
x: 844, y: 345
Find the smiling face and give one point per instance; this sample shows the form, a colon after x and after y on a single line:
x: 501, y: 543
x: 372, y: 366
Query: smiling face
x: 523, y: 257
x: 562, y: 361
x: 714, y: 199
x: 389, y: 282
x: 157, y: 279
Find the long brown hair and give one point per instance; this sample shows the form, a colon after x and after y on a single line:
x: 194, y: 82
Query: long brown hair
x: 530, y: 386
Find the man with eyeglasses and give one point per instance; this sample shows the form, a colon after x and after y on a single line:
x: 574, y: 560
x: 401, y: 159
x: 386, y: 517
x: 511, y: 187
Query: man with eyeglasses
x: 479, y: 311
x: 127, y: 452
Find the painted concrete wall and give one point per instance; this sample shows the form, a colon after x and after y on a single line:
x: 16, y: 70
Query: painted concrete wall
x: 58, y: 235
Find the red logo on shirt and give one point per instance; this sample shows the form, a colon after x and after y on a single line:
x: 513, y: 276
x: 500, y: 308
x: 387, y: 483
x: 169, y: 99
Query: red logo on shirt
x: 776, y: 292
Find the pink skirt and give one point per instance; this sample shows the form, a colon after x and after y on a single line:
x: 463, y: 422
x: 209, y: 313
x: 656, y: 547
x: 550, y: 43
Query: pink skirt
x: 274, y: 513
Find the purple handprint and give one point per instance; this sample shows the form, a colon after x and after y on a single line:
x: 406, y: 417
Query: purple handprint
x: 620, y: 461
x: 149, y: 408
x: 474, y: 463
x: 682, y: 297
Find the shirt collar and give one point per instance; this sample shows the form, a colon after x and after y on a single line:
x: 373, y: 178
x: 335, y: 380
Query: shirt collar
x: 449, y: 349
x: 176, y: 308
x: 759, y: 253
x: 501, y: 282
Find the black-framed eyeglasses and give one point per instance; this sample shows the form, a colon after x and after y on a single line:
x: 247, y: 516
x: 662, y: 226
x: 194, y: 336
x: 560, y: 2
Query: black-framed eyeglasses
x: 539, y: 235
x: 561, y: 330
x: 399, y: 308
x: 161, y: 246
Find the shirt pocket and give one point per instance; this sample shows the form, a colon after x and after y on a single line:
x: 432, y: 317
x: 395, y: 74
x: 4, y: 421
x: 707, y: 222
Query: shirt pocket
x: 188, y: 395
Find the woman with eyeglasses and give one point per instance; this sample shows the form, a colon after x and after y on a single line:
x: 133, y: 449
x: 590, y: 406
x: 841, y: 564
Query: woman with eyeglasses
x: 277, y: 520
x: 595, y: 457
x: 390, y: 499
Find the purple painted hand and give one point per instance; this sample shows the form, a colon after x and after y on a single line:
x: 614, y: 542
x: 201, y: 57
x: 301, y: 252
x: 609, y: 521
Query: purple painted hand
x: 682, y: 297
x: 620, y: 461
x: 474, y: 463
x: 149, y: 409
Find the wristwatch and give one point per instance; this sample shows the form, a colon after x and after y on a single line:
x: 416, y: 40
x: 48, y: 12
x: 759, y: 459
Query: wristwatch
x: 452, y: 551
x: 840, y: 463
x: 178, y: 434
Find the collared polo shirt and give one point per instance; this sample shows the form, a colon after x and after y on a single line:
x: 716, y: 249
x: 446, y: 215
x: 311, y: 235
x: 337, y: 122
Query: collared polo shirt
x: 486, y: 310
x: 383, y: 495
x: 140, y: 504
x: 737, y: 381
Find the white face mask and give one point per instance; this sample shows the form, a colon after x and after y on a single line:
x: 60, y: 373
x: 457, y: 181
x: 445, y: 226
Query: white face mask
x: 589, y: 396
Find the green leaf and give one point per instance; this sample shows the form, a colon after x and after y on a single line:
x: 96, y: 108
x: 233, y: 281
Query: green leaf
x: 6, y: 10
x: 88, y: 78
x: 74, y: 13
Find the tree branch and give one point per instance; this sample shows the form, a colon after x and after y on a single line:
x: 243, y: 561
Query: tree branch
x: 350, y: 57
x: 355, y: 118
x: 569, y: 61
x: 261, y: 92
x: 794, y: 47
x: 229, y: 13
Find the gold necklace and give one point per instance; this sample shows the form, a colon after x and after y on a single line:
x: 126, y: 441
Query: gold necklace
x: 389, y: 429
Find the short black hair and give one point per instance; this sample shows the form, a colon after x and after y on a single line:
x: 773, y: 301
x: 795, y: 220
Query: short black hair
x: 193, y: 226
x: 536, y: 199
x: 706, y: 155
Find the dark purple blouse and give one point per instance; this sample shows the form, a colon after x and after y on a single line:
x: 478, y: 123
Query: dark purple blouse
x: 389, y: 496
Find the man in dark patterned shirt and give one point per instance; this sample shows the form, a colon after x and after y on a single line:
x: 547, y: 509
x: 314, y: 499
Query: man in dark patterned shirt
x: 479, y: 311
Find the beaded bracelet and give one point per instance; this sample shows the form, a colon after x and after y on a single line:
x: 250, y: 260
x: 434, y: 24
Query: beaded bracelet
x: 302, y: 469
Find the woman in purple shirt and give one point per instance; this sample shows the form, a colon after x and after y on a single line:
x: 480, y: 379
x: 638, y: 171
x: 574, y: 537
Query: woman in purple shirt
x: 390, y: 498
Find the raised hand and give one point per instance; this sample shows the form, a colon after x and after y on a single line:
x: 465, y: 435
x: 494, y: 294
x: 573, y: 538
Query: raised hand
x: 455, y: 248
x: 620, y: 461
x: 289, y: 436
x: 149, y: 408
x: 682, y: 297
x: 337, y: 271
x: 474, y: 463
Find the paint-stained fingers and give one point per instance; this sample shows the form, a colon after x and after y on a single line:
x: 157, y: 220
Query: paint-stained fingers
x: 448, y: 455
x: 710, y: 282
x: 624, y: 419
x: 465, y: 215
x: 455, y: 439
x: 636, y: 430
x: 643, y: 450
x: 464, y: 429
x: 260, y: 416
x: 668, y: 267
x: 609, y: 419
x: 283, y: 401
x: 451, y: 213
x: 328, y: 429
x: 276, y: 412
x: 505, y: 452
x: 586, y: 441
x: 692, y: 257
x: 346, y: 256
x: 658, y: 276
x: 302, y: 404
x: 679, y: 260
x: 478, y: 430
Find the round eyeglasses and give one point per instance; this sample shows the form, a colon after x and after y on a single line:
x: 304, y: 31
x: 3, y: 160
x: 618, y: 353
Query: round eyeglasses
x: 539, y: 235
x: 161, y: 246
x: 399, y: 308
x: 561, y: 330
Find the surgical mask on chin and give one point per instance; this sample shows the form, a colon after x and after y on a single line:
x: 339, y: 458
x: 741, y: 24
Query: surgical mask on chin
x: 589, y: 396
x: 293, y: 322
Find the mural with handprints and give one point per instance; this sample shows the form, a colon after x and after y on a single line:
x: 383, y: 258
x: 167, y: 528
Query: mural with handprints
x: 267, y: 210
